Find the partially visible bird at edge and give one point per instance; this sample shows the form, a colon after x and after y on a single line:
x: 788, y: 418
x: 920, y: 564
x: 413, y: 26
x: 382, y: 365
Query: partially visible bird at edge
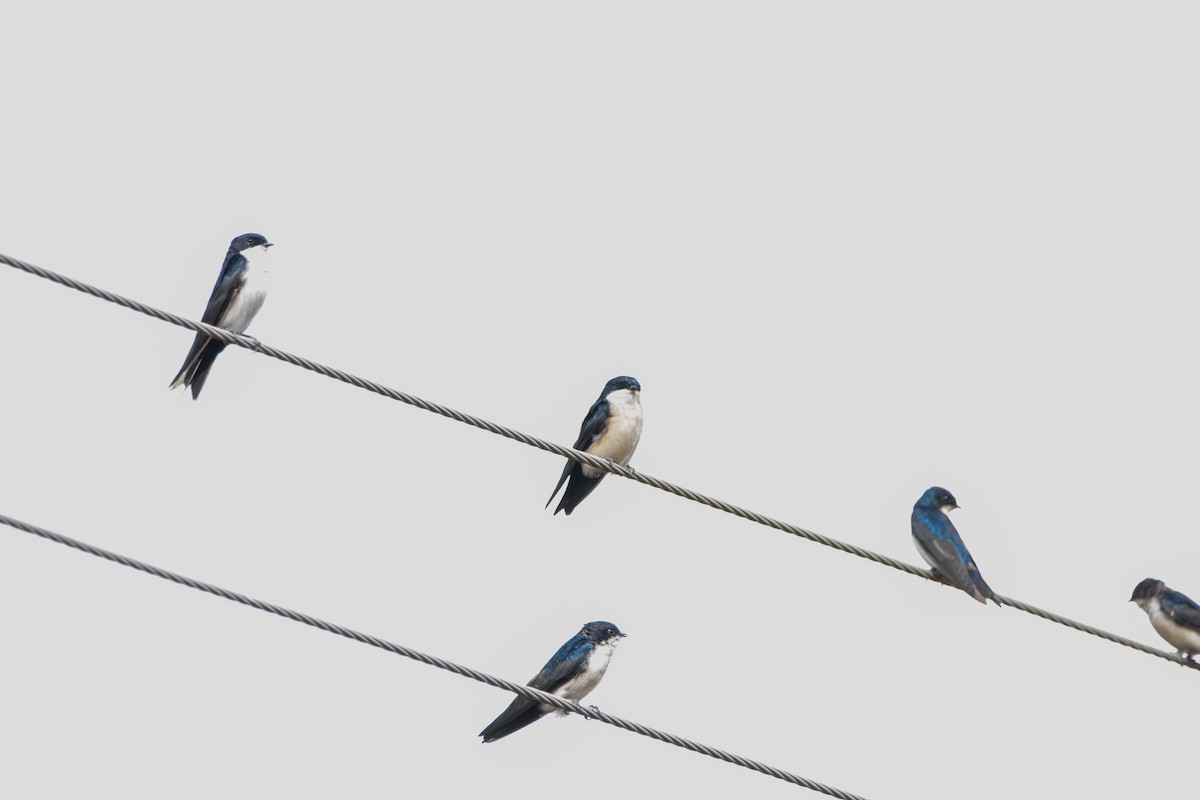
x: 1174, y: 615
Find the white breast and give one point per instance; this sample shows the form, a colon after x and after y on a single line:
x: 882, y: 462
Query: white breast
x: 622, y: 432
x: 250, y: 297
x: 1177, y: 636
x: 929, y: 559
x: 578, y: 687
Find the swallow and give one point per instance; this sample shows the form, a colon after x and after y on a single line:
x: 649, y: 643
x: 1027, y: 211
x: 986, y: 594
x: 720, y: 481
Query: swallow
x: 939, y: 544
x: 236, y: 298
x: 610, y: 430
x: 572, y: 672
x: 1175, y: 616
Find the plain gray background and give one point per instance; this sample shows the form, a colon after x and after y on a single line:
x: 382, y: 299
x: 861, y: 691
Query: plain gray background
x: 849, y: 249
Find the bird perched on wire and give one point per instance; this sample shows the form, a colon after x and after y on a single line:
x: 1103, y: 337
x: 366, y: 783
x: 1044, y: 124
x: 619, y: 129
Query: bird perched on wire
x: 939, y: 544
x: 572, y: 672
x: 236, y: 298
x: 610, y: 430
x: 1174, y: 615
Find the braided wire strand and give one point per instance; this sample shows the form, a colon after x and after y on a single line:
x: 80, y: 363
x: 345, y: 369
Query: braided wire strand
x: 590, y: 712
x: 567, y: 452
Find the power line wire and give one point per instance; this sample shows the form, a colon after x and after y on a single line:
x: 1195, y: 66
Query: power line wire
x: 626, y: 472
x: 590, y: 712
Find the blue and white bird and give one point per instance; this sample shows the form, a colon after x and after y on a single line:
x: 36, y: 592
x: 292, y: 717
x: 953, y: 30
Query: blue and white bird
x: 236, y: 298
x: 610, y: 430
x: 572, y: 672
x: 1175, y: 616
x: 939, y: 544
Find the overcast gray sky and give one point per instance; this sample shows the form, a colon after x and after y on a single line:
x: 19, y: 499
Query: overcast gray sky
x: 850, y: 250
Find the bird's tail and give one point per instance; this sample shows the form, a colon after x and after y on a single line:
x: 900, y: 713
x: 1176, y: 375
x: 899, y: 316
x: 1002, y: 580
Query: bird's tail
x: 199, y: 361
x: 562, y: 479
x: 982, y: 592
x: 521, y: 713
x: 579, y: 487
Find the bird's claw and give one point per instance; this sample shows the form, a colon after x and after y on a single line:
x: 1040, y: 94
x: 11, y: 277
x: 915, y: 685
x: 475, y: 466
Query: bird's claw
x: 939, y: 577
x: 615, y: 467
x: 591, y: 708
x: 255, y: 341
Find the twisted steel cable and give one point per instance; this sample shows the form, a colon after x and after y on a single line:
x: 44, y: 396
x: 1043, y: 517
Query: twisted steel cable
x: 590, y: 712
x: 253, y: 344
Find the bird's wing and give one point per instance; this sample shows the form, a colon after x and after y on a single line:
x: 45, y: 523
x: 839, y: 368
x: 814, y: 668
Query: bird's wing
x: 562, y: 665
x: 594, y: 425
x: 944, y: 553
x: 522, y: 711
x: 593, y: 428
x: 1181, y: 609
x: 225, y: 290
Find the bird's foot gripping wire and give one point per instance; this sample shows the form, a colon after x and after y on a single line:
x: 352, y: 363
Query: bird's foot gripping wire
x: 613, y: 465
x: 939, y: 577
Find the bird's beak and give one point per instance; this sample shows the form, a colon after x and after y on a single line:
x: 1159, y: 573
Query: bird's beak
x: 623, y: 635
x: 269, y: 244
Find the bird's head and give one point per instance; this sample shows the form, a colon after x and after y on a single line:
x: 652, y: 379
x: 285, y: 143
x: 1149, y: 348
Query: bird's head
x: 1146, y: 591
x: 937, y: 497
x: 601, y: 632
x: 248, y: 241
x: 622, y: 382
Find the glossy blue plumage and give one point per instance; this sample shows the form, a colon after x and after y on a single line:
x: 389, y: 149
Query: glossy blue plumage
x: 1182, y: 609
x: 938, y: 542
x: 571, y: 672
